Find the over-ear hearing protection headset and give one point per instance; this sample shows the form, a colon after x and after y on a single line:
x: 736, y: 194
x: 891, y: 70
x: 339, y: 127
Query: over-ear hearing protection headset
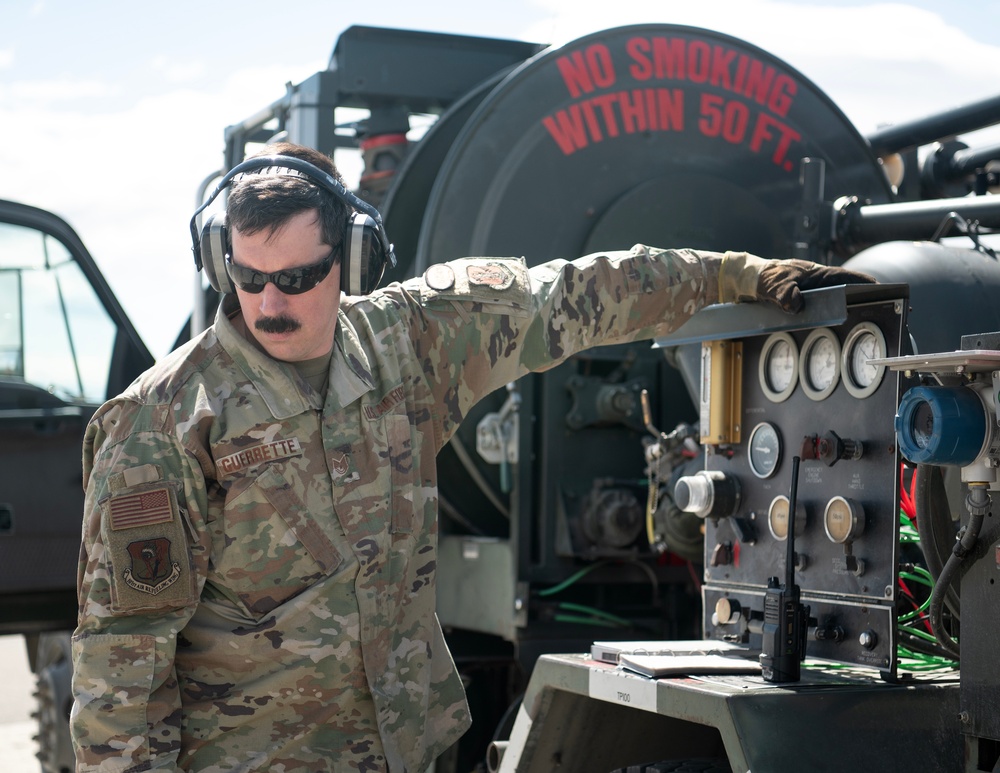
x: 366, y: 247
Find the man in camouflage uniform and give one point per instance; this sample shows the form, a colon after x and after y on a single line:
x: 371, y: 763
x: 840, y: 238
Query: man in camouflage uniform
x: 257, y: 575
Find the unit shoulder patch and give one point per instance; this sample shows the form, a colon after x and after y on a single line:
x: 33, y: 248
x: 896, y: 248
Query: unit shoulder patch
x: 492, y: 274
x: 152, y: 569
x: 148, y: 559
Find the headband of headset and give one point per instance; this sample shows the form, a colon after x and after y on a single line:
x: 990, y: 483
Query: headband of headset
x: 366, y: 246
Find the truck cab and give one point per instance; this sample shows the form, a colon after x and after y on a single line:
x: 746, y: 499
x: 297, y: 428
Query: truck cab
x: 66, y: 345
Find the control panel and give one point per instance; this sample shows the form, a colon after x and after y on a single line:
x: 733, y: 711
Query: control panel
x: 803, y: 387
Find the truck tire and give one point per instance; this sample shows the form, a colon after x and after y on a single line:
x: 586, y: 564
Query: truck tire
x: 54, y: 670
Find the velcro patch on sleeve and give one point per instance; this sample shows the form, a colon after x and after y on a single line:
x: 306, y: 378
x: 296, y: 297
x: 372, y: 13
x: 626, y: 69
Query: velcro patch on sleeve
x: 499, y: 285
x: 146, y: 508
x: 148, y: 556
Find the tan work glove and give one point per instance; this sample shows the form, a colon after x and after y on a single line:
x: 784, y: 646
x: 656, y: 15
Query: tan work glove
x: 745, y: 277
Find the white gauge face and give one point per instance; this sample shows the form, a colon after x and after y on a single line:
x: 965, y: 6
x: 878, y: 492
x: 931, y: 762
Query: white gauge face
x: 843, y: 520
x: 863, y: 344
x: 820, y: 364
x: 779, y: 367
x: 777, y: 517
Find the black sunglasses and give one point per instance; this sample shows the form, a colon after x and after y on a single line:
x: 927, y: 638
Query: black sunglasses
x: 291, y: 281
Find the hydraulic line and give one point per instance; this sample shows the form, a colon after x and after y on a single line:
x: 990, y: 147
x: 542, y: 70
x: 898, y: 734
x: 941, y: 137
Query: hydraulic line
x: 937, y: 533
x: 477, y: 477
x: 978, y: 504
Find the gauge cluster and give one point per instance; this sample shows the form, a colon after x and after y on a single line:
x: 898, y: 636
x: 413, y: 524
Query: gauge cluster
x: 822, y: 362
x: 813, y: 393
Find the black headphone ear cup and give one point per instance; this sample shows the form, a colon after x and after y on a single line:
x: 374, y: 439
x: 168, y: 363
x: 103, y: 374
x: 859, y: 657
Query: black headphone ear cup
x: 214, y: 246
x: 364, y: 257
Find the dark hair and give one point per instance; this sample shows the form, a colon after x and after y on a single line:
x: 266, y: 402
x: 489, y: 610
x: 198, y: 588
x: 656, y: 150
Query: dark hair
x: 264, y: 202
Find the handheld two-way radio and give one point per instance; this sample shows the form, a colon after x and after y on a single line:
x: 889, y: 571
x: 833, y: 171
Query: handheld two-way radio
x: 785, y: 618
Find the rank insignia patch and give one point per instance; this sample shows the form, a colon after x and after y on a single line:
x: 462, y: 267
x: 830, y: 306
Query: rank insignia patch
x: 151, y: 570
x: 340, y: 463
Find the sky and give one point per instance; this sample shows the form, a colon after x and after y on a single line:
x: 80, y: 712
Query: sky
x: 112, y: 112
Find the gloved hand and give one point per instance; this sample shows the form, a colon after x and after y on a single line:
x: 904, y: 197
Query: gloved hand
x: 744, y: 277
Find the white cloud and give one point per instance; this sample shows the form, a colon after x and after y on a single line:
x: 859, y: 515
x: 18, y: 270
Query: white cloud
x: 178, y: 72
x: 6, y: 58
x: 126, y: 179
x: 61, y: 90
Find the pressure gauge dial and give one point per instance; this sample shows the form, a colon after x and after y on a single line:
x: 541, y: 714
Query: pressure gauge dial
x: 865, y: 342
x: 843, y: 520
x: 764, y: 450
x: 779, y: 367
x: 777, y: 518
x: 819, y: 363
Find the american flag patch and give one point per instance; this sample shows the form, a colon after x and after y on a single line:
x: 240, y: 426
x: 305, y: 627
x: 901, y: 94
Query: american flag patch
x: 144, y: 509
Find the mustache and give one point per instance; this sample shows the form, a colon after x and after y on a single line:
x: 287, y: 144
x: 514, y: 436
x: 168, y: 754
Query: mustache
x: 279, y: 324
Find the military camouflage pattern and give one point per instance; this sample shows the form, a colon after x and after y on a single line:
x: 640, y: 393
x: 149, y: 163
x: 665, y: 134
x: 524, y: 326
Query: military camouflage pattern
x: 257, y: 574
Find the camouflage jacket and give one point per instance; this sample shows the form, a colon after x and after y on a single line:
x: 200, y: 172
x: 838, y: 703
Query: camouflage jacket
x: 257, y: 573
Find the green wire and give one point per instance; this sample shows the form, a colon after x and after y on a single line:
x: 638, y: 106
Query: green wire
x: 584, y: 621
x: 924, y: 573
x: 570, y: 580
x: 907, y: 534
x: 915, y: 613
x: 922, y: 634
x: 907, y: 659
x: 918, y: 577
x: 594, y: 616
x: 594, y: 612
x: 923, y: 662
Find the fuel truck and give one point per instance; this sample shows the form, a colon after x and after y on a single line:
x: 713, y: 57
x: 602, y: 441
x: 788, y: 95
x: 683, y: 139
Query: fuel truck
x: 745, y: 547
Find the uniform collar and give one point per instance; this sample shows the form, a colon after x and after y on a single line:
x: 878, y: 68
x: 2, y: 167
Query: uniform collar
x: 350, y: 372
x: 350, y: 369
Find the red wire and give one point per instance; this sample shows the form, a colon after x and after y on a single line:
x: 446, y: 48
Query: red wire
x: 906, y: 497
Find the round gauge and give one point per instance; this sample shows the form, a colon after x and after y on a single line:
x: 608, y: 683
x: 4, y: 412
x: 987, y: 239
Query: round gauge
x: 764, y: 450
x: 819, y: 363
x: 779, y: 367
x: 865, y: 342
x: 843, y: 520
x: 777, y: 517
